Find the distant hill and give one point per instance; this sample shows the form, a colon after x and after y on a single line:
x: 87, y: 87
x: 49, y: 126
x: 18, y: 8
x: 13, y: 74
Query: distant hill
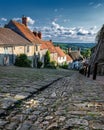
x: 75, y: 46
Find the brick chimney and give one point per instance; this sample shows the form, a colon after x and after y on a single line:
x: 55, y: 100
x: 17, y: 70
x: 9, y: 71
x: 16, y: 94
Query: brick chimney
x: 79, y: 49
x: 50, y: 40
x: 35, y: 33
x: 40, y: 35
x: 24, y: 20
x: 69, y: 50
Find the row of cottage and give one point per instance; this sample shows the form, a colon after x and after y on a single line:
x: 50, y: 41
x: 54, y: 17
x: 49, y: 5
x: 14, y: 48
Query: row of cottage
x: 16, y: 38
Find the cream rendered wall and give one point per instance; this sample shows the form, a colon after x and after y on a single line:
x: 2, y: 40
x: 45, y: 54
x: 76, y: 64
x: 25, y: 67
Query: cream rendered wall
x: 18, y: 50
x: 23, y: 50
x: 1, y: 50
x: 30, y: 52
x: 53, y: 57
x: 1, y: 55
x: 61, y: 60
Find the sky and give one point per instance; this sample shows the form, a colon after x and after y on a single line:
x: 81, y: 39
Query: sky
x: 71, y: 21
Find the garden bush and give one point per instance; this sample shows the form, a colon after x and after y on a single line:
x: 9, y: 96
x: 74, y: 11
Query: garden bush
x: 39, y: 64
x: 22, y: 61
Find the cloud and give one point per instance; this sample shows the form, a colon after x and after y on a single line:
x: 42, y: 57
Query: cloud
x: 3, y: 19
x: 66, y: 20
x: 30, y: 20
x: 55, y: 25
x: 57, y: 32
x: 55, y: 19
x: 2, y: 22
x: 55, y: 10
x: 17, y: 19
x: 98, y: 5
x: 91, y: 3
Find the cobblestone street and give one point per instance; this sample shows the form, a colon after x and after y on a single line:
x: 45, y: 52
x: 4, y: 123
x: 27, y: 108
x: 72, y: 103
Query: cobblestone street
x: 59, y: 100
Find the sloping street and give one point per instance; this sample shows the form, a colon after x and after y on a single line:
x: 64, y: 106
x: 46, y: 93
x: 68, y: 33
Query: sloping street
x: 50, y: 100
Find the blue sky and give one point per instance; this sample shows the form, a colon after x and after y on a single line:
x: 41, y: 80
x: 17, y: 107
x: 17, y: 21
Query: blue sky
x: 59, y: 20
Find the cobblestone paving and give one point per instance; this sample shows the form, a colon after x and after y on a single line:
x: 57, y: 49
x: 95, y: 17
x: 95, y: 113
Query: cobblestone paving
x: 69, y: 103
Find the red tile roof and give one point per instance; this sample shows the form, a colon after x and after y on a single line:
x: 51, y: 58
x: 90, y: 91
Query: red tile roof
x: 9, y: 37
x: 43, y: 46
x: 48, y: 45
x: 60, y: 52
x: 68, y: 58
x: 26, y: 32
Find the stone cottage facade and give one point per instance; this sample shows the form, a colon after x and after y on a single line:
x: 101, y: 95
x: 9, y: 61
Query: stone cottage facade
x: 12, y: 44
x: 26, y: 33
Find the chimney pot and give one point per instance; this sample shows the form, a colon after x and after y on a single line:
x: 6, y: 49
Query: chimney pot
x: 24, y: 20
x: 35, y: 33
x: 50, y: 40
x: 79, y: 49
x: 40, y: 35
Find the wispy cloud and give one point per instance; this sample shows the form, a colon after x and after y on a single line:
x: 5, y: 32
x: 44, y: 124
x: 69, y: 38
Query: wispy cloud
x: 3, y: 19
x: 66, y: 20
x: 98, y: 5
x: 17, y: 19
x: 91, y: 3
x: 55, y: 10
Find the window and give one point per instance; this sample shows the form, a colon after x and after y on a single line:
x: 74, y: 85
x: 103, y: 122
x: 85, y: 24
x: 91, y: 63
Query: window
x: 6, y: 50
x: 36, y: 47
x: 27, y: 48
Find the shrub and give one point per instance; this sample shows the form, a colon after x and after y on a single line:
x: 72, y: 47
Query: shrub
x: 39, y: 64
x: 22, y: 61
x: 47, y: 59
x: 64, y: 66
x: 53, y: 65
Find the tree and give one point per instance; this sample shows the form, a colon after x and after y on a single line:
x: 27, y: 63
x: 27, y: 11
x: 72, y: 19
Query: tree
x: 86, y: 53
x: 47, y: 58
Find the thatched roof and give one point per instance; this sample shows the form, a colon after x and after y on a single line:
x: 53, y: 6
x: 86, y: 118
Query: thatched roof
x: 75, y: 55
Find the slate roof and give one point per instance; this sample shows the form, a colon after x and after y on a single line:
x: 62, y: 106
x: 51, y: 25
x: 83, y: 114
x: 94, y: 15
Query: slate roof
x: 9, y: 37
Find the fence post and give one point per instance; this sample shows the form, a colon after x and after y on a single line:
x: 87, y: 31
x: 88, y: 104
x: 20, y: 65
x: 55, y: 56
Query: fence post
x: 95, y: 71
x: 85, y: 71
x: 89, y: 68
